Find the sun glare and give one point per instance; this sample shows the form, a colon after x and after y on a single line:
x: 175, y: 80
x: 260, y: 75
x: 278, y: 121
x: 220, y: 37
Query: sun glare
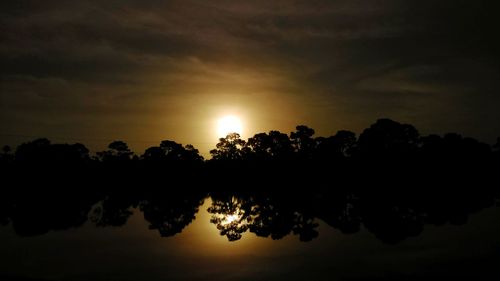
x: 227, y: 125
x: 231, y: 218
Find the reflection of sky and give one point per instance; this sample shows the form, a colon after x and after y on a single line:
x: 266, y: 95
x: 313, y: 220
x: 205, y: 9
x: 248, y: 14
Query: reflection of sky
x: 133, y: 252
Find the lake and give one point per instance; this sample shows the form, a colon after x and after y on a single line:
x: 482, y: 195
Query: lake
x: 246, y: 236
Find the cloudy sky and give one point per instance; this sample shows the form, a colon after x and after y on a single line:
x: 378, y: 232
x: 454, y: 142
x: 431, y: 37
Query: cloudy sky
x: 143, y: 71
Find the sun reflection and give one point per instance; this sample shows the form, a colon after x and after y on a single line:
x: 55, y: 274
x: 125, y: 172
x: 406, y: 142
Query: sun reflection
x: 230, y: 218
x: 202, y: 236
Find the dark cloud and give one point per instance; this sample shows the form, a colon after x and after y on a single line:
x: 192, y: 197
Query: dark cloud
x: 431, y: 63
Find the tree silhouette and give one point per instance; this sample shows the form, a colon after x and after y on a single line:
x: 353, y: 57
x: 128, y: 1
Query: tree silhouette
x: 6, y: 150
x: 6, y: 157
x: 272, y: 146
x: 387, y: 138
x: 118, y: 151
x: 42, y: 152
x: 303, y: 142
x: 496, y: 147
x: 335, y: 148
x: 260, y: 146
x: 453, y: 149
x: 390, y: 181
x: 35, y: 151
x: 170, y: 152
x: 232, y: 147
x: 192, y: 154
x: 154, y: 154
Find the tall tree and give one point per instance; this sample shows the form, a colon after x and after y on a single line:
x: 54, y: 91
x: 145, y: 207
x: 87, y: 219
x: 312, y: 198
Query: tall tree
x: 303, y: 141
x: 388, y: 138
x: 118, y: 151
x: 232, y: 147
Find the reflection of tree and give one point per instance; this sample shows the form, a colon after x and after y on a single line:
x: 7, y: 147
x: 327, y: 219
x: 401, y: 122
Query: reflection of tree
x: 231, y: 215
x: 389, y: 180
x: 261, y: 214
x: 115, y: 209
x: 36, y: 213
x: 170, y: 213
x: 339, y: 210
x: 278, y: 218
x: 391, y: 214
x: 392, y: 224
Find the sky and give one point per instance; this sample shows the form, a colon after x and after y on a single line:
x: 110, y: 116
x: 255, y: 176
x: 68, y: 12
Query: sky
x: 144, y: 71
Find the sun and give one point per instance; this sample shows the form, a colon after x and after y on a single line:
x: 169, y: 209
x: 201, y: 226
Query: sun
x: 227, y: 125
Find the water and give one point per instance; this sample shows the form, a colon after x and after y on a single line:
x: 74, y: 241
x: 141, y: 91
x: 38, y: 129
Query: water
x: 52, y: 243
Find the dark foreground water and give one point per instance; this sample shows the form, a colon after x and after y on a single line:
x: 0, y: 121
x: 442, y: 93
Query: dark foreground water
x: 230, y: 237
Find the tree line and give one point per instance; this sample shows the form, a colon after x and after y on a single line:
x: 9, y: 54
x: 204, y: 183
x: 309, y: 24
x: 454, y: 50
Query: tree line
x: 389, y: 179
x: 388, y: 154
x: 385, y: 139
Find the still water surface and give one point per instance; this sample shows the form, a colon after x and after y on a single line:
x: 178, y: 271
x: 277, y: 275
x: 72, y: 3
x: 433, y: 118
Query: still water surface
x: 136, y: 250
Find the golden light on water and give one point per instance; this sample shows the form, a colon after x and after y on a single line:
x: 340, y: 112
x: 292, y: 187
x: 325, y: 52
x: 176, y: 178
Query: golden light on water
x: 203, y: 235
x: 234, y: 216
x: 231, y: 218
